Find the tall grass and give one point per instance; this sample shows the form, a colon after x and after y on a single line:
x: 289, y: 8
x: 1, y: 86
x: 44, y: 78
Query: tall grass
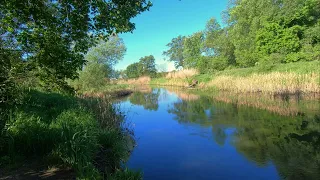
x: 143, y: 80
x: 274, y: 82
x: 70, y: 131
x: 292, y: 78
x: 170, y: 82
x: 182, y: 74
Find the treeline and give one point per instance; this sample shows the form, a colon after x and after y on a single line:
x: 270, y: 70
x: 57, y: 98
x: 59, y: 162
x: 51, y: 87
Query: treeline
x: 253, y: 33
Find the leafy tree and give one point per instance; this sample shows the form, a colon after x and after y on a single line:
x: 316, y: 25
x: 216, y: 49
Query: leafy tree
x: 54, y: 35
x: 134, y: 70
x: 175, y: 51
x: 148, y: 66
x: 107, y: 52
x: 212, y: 32
x: 100, y: 61
x: 192, y: 50
x: 145, y: 67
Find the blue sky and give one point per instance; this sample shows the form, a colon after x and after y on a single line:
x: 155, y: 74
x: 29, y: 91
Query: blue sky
x: 167, y: 19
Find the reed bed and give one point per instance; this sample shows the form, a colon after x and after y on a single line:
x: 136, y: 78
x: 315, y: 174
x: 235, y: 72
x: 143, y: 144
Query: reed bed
x: 290, y: 105
x: 276, y: 83
x: 143, y: 80
x: 182, y: 74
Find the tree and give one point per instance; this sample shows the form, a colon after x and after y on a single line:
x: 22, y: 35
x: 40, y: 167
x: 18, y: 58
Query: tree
x: 192, y: 50
x: 107, y: 52
x: 212, y: 32
x: 100, y: 61
x: 148, y: 66
x: 134, y: 70
x: 54, y: 35
x: 175, y: 51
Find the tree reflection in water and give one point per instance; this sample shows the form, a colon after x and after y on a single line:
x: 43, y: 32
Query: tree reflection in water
x: 291, y: 142
x: 149, y: 100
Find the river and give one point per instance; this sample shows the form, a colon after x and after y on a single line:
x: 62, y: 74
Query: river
x: 183, y: 135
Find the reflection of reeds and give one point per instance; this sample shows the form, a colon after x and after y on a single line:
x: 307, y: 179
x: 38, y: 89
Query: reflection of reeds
x: 143, y: 89
x: 289, y: 105
x: 183, y: 94
x: 269, y: 83
x: 182, y: 74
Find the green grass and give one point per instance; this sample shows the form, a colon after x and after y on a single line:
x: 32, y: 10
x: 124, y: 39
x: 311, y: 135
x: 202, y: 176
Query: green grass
x: 126, y: 175
x: 65, y: 130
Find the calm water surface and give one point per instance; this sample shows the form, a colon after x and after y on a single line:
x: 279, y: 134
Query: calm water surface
x: 187, y: 136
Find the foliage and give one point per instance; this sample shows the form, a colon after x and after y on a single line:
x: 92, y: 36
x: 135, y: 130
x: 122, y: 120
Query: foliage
x: 53, y: 35
x: 148, y: 66
x: 255, y: 32
x: 145, y: 67
x: 107, y: 52
x: 134, y: 70
x: 192, y: 50
x: 99, y: 67
x: 175, y: 51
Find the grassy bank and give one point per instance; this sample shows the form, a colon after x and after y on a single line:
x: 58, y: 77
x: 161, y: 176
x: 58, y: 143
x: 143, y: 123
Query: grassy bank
x: 300, y: 77
x: 83, y: 135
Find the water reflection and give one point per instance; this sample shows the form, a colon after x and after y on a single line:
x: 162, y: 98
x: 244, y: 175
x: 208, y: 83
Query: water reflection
x: 292, y: 143
x: 149, y: 100
x: 283, y: 133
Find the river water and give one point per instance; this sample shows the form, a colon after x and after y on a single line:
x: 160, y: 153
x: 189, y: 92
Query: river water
x: 183, y: 135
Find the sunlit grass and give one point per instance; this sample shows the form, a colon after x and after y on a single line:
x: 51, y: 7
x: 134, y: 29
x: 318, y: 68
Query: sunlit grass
x: 182, y: 74
x: 274, y: 82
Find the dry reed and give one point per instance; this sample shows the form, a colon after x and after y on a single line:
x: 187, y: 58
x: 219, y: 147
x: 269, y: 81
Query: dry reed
x: 275, y: 82
x: 138, y: 81
x: 182, y: 74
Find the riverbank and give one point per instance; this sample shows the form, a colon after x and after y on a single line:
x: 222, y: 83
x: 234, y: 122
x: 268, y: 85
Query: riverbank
x: 80, y: 137
x: 291, y: 78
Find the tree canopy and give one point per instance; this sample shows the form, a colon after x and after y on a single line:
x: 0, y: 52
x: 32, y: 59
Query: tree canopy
x: 53, y: 36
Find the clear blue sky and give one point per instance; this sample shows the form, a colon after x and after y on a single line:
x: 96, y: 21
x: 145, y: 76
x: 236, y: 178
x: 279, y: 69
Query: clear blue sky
x: 167, y: 19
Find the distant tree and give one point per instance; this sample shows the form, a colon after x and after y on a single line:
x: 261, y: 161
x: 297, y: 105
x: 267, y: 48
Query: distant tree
x: 100, y: 61
x: 148, y: 65
x: 134, y: 70
x: 175, y: 51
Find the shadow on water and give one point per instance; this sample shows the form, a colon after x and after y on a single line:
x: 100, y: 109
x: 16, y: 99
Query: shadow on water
x: 283, y: 131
